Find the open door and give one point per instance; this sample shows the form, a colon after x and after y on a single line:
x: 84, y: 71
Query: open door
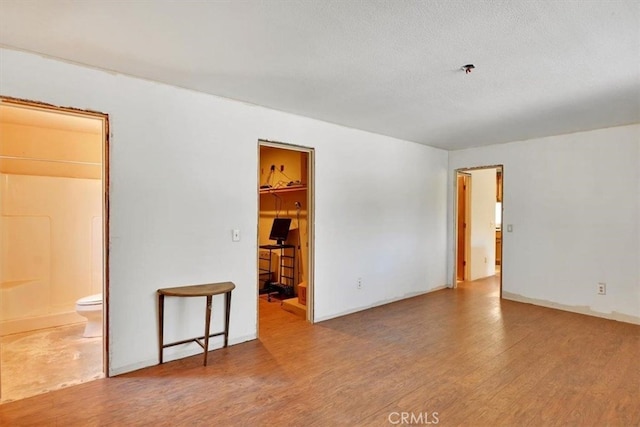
x: 462, y: 227
x: 478, y: 212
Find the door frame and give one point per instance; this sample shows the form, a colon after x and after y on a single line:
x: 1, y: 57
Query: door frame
x: 468, y: 207
x: 104, y: 117
x: 310, y: 151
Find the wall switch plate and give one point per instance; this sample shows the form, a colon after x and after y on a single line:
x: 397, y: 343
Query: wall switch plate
x: 235, y: 235
x: 509, y: 228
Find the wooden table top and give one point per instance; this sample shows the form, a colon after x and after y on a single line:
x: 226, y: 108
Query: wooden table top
x: 198, y: 290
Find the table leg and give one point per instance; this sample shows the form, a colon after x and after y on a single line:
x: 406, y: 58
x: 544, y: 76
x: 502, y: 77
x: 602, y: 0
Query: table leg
x: 207, y: 323
x: 227, y: 312
x: 160, y: 325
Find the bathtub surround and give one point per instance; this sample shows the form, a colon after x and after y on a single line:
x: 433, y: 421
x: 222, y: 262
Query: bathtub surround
x: 50, y: 214
x: 51, y: 249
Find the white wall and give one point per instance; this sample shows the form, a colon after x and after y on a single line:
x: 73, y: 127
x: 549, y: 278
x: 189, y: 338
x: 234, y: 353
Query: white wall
x: 483, y: 227
x: 574, y: 202
x: 184, y: 173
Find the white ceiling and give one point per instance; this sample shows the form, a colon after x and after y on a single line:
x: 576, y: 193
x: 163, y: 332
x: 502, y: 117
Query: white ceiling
x: 391, y: 67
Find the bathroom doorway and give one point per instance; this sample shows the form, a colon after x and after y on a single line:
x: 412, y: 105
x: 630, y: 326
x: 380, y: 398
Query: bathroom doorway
x: 53, y: 223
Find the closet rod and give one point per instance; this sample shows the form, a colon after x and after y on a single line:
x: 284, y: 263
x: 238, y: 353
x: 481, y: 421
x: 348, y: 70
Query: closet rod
x: 73, y: 162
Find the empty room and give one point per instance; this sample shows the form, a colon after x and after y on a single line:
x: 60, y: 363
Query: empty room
x: 320, y: 213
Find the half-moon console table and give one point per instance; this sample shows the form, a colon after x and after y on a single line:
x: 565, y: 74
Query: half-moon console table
x: 207, y: 290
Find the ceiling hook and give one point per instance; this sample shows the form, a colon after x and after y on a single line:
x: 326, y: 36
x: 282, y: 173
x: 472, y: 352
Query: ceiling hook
x: 467, y: 68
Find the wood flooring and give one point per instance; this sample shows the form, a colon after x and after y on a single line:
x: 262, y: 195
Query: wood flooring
x: 452, y: 357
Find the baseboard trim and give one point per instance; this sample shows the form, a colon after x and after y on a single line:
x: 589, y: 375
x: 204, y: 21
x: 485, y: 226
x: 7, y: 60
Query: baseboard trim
x: 193, y: 350
x: 379, y: 303
x: 620, y: 317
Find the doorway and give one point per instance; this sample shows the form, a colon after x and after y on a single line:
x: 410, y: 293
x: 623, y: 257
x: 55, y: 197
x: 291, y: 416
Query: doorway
x: 53, y: 258
x: 463, y: 191
x: 285, y: 231
x: 478, y: 226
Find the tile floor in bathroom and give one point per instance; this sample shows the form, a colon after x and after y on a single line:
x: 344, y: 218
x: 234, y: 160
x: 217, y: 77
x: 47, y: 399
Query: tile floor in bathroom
x: 47, y: 359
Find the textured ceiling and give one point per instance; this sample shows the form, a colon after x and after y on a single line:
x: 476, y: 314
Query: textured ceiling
x: 391, y: 67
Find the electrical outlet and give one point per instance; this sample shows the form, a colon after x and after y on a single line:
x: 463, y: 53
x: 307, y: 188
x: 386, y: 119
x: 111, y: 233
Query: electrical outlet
x: 359, y: 283
x: 602, y: 288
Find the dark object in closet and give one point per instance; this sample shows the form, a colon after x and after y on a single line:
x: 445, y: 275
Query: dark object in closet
x: 280, y: 230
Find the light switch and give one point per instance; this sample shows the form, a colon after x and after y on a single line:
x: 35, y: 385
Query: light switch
x: 509, y: 228
x: 235, y: 235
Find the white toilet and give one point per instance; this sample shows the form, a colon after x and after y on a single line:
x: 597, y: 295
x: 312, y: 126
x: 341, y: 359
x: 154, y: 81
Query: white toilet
x: 91, y: 308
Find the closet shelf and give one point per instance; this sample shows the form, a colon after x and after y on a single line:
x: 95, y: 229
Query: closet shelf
x: 283, y: 189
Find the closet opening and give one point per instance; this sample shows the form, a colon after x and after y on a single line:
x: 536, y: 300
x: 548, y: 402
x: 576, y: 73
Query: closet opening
x: 285, y: 232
